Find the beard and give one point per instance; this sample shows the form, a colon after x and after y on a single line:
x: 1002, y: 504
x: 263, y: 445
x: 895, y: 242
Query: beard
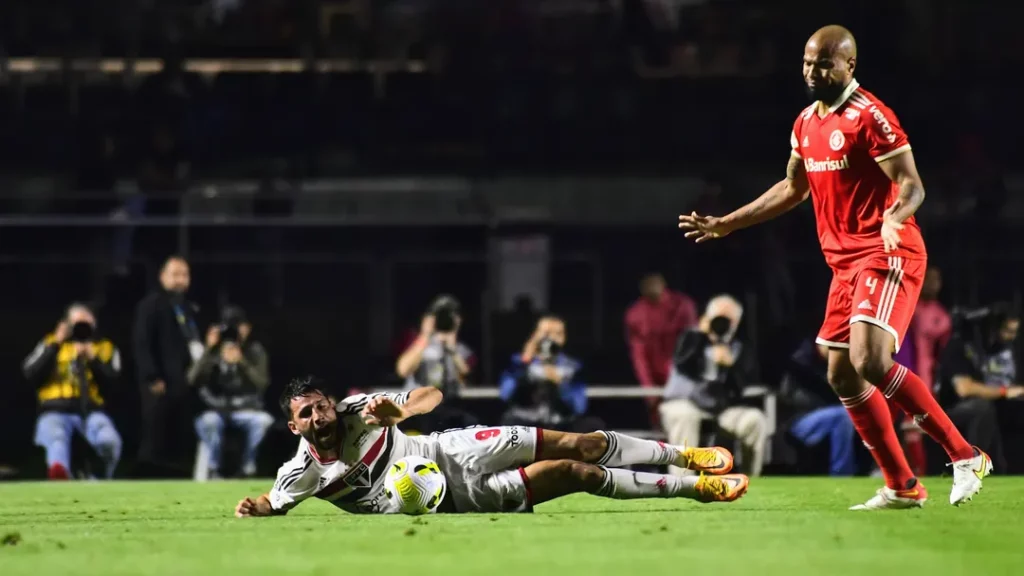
x: 824, y: 94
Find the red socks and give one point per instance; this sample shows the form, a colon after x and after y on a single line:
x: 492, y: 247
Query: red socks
x: 911, y: 394
x: 870, y: 414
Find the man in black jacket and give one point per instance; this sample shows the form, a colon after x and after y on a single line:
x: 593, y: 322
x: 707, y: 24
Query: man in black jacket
x: 710, y: 369
x: 166, y: 339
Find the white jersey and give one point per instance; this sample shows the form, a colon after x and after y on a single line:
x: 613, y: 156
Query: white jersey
x: 355, y: 481
x: 479, y: 463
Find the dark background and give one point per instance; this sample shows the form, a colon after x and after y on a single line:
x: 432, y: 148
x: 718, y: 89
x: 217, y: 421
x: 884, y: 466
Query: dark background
x: 419, y: 133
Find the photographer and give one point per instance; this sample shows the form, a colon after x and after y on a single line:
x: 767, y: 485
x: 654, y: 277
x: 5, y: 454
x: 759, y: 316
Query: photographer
x: 979, y: 383
x: 542, y: 387
x: 710, y: 370
x: 69, y: 368
x: 437, y: 358
x: 231, y: 376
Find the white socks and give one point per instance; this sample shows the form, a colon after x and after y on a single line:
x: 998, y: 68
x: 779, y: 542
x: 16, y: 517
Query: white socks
x: 627, y: 485
x: 626, y: 451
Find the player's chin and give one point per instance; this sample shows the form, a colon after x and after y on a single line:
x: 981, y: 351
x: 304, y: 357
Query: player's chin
x: 325, y: 436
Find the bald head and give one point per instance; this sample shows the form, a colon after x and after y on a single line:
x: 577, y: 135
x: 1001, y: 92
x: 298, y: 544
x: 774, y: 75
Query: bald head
x: 830, y: 57
x: 834, y: 40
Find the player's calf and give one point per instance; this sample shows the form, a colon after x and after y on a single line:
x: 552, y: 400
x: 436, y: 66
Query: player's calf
x: 556, y: 478
x: 615, y: 449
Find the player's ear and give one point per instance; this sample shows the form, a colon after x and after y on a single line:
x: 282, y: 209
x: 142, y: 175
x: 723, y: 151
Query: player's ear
x: 291, y: 426
x: 852, y: 64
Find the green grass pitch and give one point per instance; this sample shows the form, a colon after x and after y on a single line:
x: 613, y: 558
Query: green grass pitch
x: 783, y: 526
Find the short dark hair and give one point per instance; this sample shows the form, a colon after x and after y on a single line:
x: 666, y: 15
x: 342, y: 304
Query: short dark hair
x: 297, y: 388
x: 172, y: 258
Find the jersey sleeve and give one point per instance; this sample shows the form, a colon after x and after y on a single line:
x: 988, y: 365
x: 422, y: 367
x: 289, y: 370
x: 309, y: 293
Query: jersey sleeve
x: 296, y: 481
x: 882, y: 134
x: 355, y: 404
x: 795, y: 144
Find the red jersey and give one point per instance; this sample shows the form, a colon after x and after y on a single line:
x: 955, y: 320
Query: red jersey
x: 850, y: 192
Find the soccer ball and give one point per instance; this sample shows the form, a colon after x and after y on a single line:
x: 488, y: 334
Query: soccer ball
x: 416, y: 485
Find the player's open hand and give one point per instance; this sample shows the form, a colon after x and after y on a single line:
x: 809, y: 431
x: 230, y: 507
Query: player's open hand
x: 383, y: 412
x: 702, y: 228
x: 245, y: 508
x: 891, y: 228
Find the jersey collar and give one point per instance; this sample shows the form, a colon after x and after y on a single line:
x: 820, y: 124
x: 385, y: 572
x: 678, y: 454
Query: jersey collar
x: 850, y: 89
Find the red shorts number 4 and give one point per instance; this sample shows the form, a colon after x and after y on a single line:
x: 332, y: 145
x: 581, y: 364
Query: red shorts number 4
x: 883, y: 291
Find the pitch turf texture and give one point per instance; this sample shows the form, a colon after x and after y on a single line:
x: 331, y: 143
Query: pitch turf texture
x: 783, y: 526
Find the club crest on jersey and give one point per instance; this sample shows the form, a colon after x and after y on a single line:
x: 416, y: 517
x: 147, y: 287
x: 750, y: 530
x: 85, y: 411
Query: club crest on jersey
x: 358, y: 476
x: 836, y: 141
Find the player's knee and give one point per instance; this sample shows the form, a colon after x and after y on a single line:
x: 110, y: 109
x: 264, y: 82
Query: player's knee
x: 209, y: 423
x: 754, y: 427
x: 869, y: 365
x: 589, y: 447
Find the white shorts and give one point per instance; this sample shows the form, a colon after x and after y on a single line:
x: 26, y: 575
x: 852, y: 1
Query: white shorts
x: 484, y: 467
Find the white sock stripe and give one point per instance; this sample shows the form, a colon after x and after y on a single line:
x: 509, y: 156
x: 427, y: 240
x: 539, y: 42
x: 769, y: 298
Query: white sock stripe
x: 859, y: 398
x: 607, y: 487
x: 897, y: 381
x: 888, y: 300
x: 613, y: 446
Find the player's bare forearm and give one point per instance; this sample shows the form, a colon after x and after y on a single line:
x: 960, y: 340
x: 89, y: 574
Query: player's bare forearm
x: 909, y: 200
x: 785, y: 195
x: 422, y: 401
x: 902, y: 170
x: 781, y: 198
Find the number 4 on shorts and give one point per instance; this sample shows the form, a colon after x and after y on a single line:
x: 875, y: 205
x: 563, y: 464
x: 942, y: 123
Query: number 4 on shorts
x: 871, y: 282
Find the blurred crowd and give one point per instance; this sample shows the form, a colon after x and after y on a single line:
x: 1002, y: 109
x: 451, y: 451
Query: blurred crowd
x: 426, y: 85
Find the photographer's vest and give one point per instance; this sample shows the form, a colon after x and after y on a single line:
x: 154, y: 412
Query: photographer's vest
x: 61, y: 389
x: 438, y: 369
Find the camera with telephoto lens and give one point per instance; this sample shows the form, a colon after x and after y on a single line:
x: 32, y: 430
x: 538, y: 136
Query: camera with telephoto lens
x: 720, y: 326
x: 230, y: 319
x: 82, y: 332
x: 548, y: 349
x: 445, y: 309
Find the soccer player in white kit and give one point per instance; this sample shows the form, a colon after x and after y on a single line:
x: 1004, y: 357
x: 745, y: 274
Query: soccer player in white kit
x: 346, y: 449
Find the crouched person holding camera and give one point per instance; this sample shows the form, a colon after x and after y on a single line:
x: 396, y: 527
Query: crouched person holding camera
x: 69, y: 368
x: 439, y: 360
x: 231, y: 376
x: 542, y: 387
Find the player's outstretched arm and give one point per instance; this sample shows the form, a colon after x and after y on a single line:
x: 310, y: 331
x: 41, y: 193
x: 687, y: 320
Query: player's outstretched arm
x: 384, y: 411
x: 779, y: 199
x: 248, y: 507
x: 901, y: 169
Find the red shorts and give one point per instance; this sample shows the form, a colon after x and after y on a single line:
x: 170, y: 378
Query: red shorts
x: 880, y: 290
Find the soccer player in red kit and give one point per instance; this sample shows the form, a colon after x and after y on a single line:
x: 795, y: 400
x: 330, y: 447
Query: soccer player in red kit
x: 851, y: 156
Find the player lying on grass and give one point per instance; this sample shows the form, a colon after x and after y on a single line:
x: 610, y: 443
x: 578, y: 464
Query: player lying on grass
x: 346, y: 449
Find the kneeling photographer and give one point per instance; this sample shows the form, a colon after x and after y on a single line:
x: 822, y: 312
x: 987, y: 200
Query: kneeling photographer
x: 978, y: 379
x: 542, y: 387
x: 437, y: 358
x: 231, y: 376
